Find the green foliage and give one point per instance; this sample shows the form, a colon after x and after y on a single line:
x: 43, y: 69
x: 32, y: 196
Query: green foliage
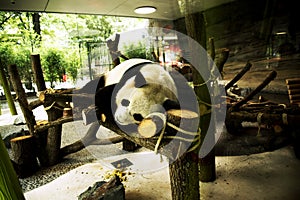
x: 101, y: 24
x: 54, y: 65
x: 66, y: 33
x: 6, y: 55
x: 73, y: 65
x: 23, y: 62
x: 137, y: 50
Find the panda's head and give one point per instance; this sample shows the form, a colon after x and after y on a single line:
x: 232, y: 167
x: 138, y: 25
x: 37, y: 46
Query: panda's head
x: 150, y: 90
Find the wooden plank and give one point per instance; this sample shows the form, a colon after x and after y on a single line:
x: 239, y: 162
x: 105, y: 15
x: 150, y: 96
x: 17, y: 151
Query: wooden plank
x: 293, y: 86
x: 294, y: 91
x: 294, y: 97
x: 295, y: 101
x: 292, y: 81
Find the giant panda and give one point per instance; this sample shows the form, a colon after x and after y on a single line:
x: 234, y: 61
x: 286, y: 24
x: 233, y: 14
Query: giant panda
x: 136, y: 88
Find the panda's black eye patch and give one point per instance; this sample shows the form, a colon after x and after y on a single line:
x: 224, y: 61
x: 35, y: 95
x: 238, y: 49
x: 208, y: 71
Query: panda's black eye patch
x: 125, y: 102
x: 138, y: 117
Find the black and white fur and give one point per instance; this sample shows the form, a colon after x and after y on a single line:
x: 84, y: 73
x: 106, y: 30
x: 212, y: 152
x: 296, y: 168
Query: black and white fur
x: 137, y: 87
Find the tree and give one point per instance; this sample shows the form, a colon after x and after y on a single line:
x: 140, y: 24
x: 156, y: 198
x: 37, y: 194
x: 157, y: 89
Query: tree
x: 73, y: 64
x: 137, y: 50
x: 54, y: 66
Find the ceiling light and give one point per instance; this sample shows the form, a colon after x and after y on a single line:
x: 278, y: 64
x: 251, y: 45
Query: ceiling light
x: 145, y: 10
x: 281, y: 33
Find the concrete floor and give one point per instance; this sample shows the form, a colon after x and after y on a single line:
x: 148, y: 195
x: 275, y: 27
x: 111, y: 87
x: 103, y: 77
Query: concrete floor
x: 269, y: 175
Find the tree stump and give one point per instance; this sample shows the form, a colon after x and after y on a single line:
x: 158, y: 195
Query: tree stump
x: 24, y: 155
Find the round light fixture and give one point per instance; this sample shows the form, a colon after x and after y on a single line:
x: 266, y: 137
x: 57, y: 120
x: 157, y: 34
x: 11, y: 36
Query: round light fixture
x: 145, y: 10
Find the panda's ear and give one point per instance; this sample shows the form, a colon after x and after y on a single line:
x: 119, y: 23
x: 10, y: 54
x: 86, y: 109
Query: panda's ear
x: 139, y: 80
x: 171, y: 104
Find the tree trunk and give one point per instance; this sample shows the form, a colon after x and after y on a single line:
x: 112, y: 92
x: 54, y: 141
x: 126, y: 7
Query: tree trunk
x: 54, y: 135
x: 24, y: 155
x: 196, y: 29
x: 184, y: 169
x: 36, y: 23
x: 184, y: 177
x: 41, y: 86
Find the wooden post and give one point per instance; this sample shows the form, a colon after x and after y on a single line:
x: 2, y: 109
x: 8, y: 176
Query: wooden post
x: 196, y: 29
x: 113, y: 48
x: 9, y: 184
x: 41, y: 86
x: 7, y: 93
x: 22, y: 98
x: 184, y: 170
x: 54, y: 134
x: 38, y: 72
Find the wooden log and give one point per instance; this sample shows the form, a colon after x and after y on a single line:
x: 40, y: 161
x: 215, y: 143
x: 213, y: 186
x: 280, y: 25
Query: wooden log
x: 34, y: 104
x: 49, y: 124
x: 221, y: 58
x: 238, y: 76
x: 183, y: 124
x: 61, y: 95
x: 265, y: 118
x: 261, y: 86
x: 89, y: 139
x: 187, y: 170
x: 54, y: 135
x: 24, y: 155
x: 148, y: 143
x: 38, y: 72
x: 152, y: 125
x: 212, y: 51
x: 22, y: 98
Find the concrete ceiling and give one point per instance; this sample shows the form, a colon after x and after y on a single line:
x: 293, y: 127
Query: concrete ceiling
x: 166, y: 9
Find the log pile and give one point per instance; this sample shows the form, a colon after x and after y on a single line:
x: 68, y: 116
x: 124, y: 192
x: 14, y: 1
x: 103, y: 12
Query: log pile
x: 264, y: 112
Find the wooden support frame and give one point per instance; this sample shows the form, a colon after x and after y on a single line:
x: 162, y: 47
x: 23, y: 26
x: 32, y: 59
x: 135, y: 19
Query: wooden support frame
x: 293, y: 87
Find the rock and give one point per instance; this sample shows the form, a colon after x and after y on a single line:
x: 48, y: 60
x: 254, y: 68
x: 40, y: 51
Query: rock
x: 19, y: 120
x: 111, y: 190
